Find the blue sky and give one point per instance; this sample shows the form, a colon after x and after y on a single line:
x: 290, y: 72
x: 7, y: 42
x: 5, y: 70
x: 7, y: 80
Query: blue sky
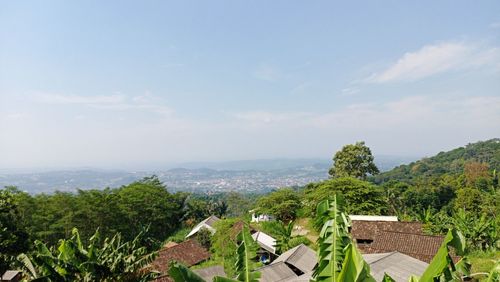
x: 122, y: 84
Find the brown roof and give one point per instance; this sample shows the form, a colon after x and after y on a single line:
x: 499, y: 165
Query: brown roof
x: 170, y: 244
x: 367, y: 230
x: 421, y: 247
x: 189, y: 253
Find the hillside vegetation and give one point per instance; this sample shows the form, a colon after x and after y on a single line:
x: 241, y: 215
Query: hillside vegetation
x: 451, y: 162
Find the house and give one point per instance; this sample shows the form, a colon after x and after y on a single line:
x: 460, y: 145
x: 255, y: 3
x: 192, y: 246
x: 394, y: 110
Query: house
x: 364, y: 231
x: 397, y: 265
x: 374, y: 237
x: 276, y: 272
x: 296, y: 264
x: 209, y: 273
x: 189, y: 253
x: 260, y: 217
x: 300, y: 259
x: 267, y: 251
x: 208, y: 223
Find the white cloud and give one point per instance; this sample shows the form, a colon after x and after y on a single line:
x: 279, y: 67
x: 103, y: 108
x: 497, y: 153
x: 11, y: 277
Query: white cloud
x: 50, y: 98
x: 435, y: 59
x: 120, y: 102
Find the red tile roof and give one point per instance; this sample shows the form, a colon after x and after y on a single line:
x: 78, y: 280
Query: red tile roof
x: 421, y: 247
x: 189, y: 253
x: 367, y: 230
x: 389, y: 236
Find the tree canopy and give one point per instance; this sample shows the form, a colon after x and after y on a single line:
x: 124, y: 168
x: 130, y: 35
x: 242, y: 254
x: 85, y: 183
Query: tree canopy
x: 354, y: 160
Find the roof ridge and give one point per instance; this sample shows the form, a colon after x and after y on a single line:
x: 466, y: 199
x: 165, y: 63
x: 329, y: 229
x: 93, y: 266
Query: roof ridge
x: 295, y: 251
x: 412, y: 233
x: 386, y: 255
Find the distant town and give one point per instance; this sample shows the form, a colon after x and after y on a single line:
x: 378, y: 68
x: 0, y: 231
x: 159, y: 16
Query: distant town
x: 255, y: 176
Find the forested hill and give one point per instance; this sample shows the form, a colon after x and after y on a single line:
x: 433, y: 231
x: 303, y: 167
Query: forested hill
x: 451, y: 162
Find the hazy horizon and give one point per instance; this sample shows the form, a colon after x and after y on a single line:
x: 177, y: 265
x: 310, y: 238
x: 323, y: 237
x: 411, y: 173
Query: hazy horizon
x: 119, y: 84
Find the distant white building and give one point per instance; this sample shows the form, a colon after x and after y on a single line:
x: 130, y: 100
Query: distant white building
x: 373, y: 217
x: 208, y: 223
x: 260, y: 217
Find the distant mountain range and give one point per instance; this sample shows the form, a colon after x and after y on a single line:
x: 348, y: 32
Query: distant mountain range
x: 243, y: 176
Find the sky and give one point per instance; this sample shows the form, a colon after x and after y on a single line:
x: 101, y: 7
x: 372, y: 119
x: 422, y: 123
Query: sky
x: 129, y: 84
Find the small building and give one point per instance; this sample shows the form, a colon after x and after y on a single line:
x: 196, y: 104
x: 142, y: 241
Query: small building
x: 300, y: 259
x: 267, y: 246
x: 260, y: 217
x: 296, y: 264
x: 208, y: 223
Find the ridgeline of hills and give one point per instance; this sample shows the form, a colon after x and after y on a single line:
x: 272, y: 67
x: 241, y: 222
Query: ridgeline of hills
x: 451, y: 162
x: 255, y: 175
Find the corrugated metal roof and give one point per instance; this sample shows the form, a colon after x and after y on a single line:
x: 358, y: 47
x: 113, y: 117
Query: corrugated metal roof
x: 209, y: 273
x: 301, y: 257
x: 10, y: 274
x: 207, y: 223
x: 276, y: 272
x: 306, y: 277
x: 265, y: 241
x: 397, y: 265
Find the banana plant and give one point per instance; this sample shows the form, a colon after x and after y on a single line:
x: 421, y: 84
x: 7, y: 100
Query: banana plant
x: 341, y: 261
x: 285, y: 235
x: 70, y: 261
x: 333, y: 239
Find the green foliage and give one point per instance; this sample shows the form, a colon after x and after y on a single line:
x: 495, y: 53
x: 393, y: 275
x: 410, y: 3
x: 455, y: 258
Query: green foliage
x: 224, y: 245
x: 284, y: 237
x: 442, y: 267
x: 282, y: 203
x: 180, y: 273
x: 361, y: 197
x: 247, y: 252
x: 71, y: 261
x: 204, y: 237
x: 13, y: 237
x: 340, y: 261
x: 354, y: 160
x: 297, y: 240
x: 333, y: 239
x: 451, y: 162
x: 127, y: 210
x: 355, y: 268
x: 480, y: 231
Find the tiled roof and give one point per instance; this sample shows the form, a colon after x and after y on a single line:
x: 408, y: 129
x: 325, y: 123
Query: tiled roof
x: 189, y: 253
x: 367, y: 230
x: 276, y: 272
x: 399, y: 266
x: 421, y: 247
x: 301, y: 257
